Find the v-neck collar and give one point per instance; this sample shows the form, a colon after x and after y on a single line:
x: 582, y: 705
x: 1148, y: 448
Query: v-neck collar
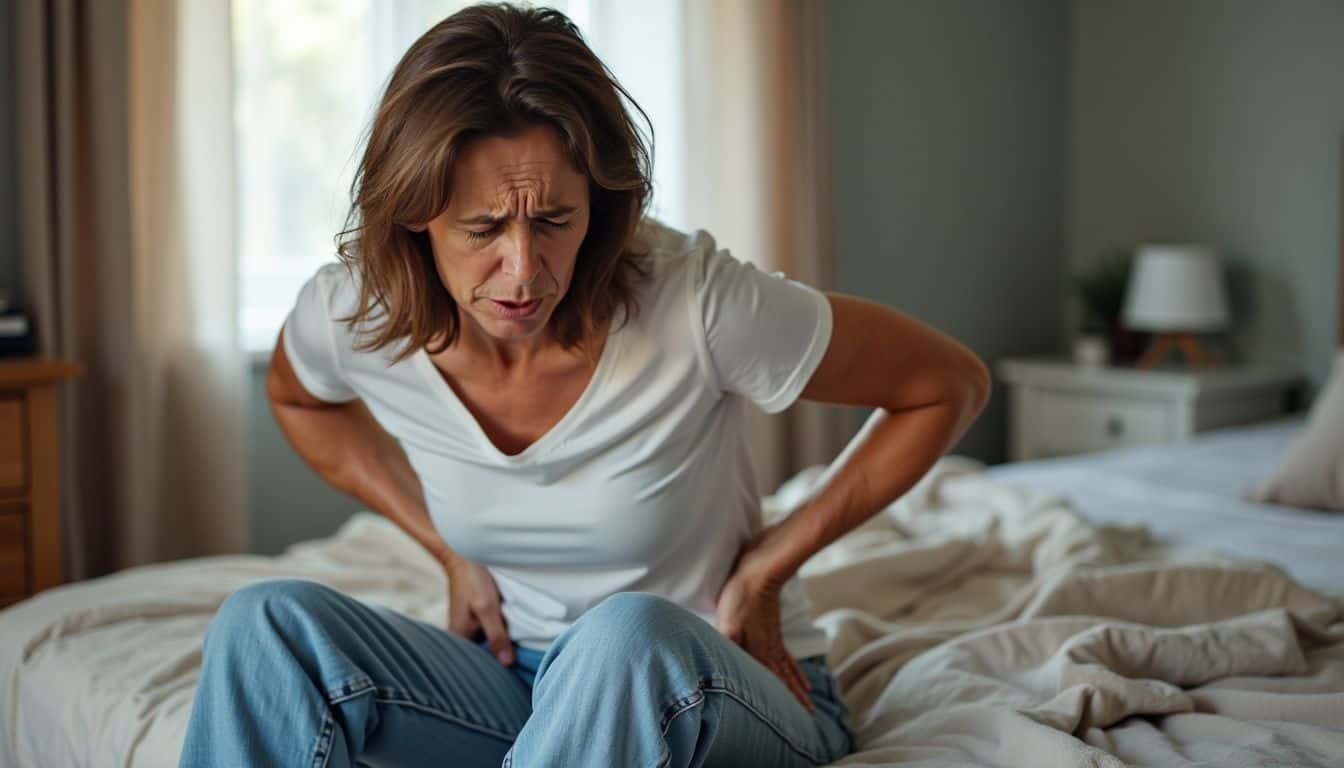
x: 435, y: 381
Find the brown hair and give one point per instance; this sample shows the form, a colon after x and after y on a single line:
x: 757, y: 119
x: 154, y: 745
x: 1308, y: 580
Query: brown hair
x: 491, y: 70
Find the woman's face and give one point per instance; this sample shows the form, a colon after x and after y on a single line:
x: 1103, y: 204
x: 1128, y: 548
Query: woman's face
x: 506, y: 245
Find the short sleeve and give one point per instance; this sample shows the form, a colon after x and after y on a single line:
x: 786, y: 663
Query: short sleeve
x: 764, y: 334
x: 310, y: 336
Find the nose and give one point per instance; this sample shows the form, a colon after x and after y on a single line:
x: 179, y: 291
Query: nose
x: 521, y: 262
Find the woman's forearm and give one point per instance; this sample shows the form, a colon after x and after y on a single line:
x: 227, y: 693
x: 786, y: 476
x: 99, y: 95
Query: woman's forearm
x: 886, y: 458
x: 347, y: 447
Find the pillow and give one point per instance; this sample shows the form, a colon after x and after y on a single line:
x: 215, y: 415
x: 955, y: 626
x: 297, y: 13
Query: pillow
x: 1311, y: 473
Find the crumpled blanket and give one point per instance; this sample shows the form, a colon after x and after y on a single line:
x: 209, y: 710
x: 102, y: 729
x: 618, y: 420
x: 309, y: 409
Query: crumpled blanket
x: 980, y: 623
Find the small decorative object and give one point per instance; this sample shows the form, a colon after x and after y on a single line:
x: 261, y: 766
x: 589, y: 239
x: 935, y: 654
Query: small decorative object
x: 1101, y: 290
x: 16, y: 332
x: 1176, y: 291
x: 1091, y: 350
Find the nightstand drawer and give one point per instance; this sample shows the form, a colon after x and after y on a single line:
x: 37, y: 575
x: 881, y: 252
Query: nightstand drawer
x: 1063, y: 423
x: 13, y: 557
x: 13, y: 463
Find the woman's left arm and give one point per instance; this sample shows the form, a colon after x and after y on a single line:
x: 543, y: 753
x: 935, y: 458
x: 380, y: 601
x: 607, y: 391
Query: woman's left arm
x: 927, y: 389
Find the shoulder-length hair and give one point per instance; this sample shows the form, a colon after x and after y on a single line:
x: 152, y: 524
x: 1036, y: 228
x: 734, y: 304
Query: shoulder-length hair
x: 491, y: 70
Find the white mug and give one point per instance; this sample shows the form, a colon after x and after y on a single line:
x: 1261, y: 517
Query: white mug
x: 1091, y: 351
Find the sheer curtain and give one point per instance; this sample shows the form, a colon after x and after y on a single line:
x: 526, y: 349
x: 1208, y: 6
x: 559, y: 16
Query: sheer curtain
x: 185, y: 294
x: 126, y: 226
x: 758, y: 176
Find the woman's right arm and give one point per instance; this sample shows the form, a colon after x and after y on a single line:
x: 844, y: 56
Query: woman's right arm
x: 347, y: 447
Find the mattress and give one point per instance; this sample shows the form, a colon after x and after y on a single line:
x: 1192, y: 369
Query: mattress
x: 1192, y: 495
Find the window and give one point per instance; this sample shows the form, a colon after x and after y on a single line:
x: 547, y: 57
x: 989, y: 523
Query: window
x: 308, y: 75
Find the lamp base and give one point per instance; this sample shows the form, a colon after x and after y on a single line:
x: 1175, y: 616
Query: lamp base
x: 1196, y: 356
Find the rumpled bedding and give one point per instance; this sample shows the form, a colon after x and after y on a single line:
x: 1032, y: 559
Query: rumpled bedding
x: 974, y: 622
x: 982, y: 623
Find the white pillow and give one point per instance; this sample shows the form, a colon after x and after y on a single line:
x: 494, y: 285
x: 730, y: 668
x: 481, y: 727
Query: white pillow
x: 1311, y: 473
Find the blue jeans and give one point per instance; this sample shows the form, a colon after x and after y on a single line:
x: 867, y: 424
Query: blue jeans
x: 298, y: 674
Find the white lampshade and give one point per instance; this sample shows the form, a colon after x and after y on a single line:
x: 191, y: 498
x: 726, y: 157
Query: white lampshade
x: 1176, y: 288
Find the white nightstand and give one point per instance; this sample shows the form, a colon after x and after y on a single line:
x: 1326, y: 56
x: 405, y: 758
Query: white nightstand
x: 1057, y: 408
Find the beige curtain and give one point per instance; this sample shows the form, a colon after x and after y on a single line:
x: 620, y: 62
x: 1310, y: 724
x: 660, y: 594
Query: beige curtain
x: 759, y: 177
x: 126, y: 228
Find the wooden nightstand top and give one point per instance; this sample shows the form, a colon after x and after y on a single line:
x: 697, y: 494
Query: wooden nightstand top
x: 36, y: 370
x: 1058, y: 373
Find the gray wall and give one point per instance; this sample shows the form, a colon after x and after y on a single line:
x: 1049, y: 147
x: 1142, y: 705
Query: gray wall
x: 949, y: 122
x: 289, y: 502
x: 1219, y: 121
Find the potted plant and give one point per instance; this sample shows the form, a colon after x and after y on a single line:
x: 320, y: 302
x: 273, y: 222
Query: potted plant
x: 1101, y: 291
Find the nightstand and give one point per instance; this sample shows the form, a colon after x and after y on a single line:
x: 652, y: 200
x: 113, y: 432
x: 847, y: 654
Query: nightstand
x: 1057, y: 408
x: 30, y: 509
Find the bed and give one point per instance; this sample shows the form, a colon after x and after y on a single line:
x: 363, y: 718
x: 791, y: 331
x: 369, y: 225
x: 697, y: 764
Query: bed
x: 987, y: 617
x: 1116, y: 609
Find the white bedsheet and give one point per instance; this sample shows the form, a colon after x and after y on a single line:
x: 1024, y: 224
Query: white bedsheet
x: 102, y: 673
x: 1191, y: 496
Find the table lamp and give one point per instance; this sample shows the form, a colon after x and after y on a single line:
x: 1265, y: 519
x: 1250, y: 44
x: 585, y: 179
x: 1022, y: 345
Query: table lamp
x: 1176, y: 291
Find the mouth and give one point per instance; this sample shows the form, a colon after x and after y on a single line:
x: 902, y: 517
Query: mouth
x: 515, y: 310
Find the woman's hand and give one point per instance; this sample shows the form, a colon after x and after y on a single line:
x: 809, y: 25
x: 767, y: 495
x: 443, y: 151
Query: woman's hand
x: 747, y: 612
x: 473, y: 607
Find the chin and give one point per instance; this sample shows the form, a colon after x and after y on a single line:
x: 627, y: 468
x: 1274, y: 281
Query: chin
x: 508, y: 331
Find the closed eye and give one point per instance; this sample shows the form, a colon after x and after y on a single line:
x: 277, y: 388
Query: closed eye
x: 486, y: 234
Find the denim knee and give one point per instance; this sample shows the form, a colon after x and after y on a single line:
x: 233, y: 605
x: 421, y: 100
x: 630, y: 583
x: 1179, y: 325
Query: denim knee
x: 248, y: 608
x: 639, y: 619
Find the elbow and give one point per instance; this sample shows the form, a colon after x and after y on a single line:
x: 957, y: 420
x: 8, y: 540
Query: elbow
x: 982, y: 385
x: 974, y: 387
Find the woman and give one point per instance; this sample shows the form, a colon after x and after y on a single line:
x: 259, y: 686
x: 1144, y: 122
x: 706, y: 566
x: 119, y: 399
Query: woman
x: 548, y: 392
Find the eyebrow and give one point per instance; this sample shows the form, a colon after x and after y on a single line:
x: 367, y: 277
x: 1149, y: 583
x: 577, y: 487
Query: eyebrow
x: 546, y: 213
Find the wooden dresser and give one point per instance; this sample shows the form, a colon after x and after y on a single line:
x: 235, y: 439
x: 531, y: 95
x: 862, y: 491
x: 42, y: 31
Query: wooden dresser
x: 30, y: 508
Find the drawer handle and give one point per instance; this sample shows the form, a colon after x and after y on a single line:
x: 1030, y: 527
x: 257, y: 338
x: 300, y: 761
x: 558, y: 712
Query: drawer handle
x: 1115, y: 426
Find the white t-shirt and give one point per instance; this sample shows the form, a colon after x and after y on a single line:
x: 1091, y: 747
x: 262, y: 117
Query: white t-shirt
x: 646, y: 483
